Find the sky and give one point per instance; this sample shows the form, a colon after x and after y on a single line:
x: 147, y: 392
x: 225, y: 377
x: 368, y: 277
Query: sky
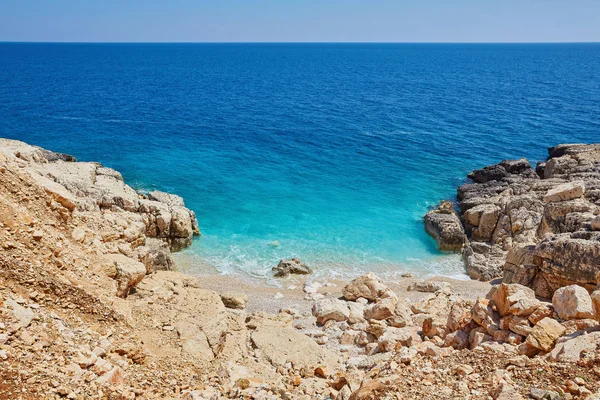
x: 300, y: 21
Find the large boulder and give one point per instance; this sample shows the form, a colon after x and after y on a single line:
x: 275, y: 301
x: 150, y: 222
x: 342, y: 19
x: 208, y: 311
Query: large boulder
x: 444, y: 225
x: 573, y: 302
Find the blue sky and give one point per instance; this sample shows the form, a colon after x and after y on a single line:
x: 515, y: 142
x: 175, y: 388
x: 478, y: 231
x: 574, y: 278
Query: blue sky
x: 295, y: 20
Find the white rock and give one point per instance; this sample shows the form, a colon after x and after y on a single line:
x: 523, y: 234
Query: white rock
x: 572, y: 302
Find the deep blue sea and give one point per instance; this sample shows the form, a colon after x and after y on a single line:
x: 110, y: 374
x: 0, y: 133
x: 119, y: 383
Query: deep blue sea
x: 335, y: 151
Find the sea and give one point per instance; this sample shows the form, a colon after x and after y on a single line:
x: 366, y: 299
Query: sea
x: 331, y: 153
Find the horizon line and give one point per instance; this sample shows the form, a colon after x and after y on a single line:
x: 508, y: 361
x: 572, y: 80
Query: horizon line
x: 292, y: 42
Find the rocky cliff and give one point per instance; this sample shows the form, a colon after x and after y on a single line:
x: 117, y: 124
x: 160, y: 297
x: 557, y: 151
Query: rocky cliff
x: 539, y: 228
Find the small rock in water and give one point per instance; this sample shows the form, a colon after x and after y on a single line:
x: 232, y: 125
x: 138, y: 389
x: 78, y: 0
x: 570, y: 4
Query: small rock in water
x: 293, y: 266
x: 278, y: 296
x: 274, y: 243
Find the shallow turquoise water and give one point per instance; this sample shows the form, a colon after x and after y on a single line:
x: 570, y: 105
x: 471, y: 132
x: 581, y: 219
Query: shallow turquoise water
x: 334, y: 150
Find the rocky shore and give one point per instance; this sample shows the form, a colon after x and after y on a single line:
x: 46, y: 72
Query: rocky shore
x: 536, y: 227
x: 92, y: 306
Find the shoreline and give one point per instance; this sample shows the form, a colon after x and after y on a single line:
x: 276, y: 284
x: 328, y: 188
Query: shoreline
x: 90, y: 306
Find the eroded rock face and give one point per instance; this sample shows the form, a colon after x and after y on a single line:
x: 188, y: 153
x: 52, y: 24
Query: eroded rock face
x: 535, y: 228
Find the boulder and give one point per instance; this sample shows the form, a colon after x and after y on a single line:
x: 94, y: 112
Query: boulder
x: 513, y: 299
x: 402, y: 315
x: 545, y: 333
x: 394, y: 338
x: 565, y: 192
x: 330, y: 309
x: 595, y: 296
x: 368, y: 286
x: 574, y: 348
x: 292, y: 266
x: 460, y: 315
x: 128, y: 273
x: 572, y: 302
x: 444, y: 225
x: 382, y: 309
x: 234, y: 300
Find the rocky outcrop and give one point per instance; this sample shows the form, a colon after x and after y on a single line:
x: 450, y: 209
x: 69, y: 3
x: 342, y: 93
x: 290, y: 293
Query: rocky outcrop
x: 128, y: 221
x: 535, y: 227
x: 444, y: 225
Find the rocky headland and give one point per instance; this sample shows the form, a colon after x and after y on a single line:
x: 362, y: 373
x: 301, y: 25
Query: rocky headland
x: 92, y: 305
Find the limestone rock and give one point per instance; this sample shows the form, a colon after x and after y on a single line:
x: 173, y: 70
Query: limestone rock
x: 572, y: 349
x: 444, y: 225
x: 382, y: 309
x: 427, y: 286
x: 513, y: 299
x: 234, y: 300
x: 330, y: 309
x: 292, y: 266
x: 395, y: 338
x: 368, y: 286
x: 572, y: 302
x: 566, y: 191
x: 595, y: 296
x: 545, y: 333
x: 129, y: 273
x: 284, y: 345
x: 402, y: 315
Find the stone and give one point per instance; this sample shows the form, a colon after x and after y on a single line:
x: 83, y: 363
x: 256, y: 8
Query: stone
x: 519, y: 325
x: 114, y: 377
x: 572, y: 302
x: 513, y: 299
x: 23, y: 314
x: 394, y: 338
x: 129, y: 273
x: 572, y: 349
x: 543, y: 394
x: 505, y: 391
x: 566, y: 191
x: 545, y: 333
x: 357, y: 311
x: 460, y: 315
x: 382, y: 309
x: 427, y: 286
x: 444, y: 225
x: 458, y: 340
x: 478, y: 337
x: 291, y: 266
x: 234, y: 300
x: 284, y: 345
x: 330, y: 309
x: 368, y: 286
x: 543, y: 311
x: 434, y: 326
x: 402, y: 315
x: 595, y: 296
x: 368, y: 390
x: 78, y: 234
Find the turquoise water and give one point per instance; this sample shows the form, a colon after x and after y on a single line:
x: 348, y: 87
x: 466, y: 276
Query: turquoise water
x: 334, y: 150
